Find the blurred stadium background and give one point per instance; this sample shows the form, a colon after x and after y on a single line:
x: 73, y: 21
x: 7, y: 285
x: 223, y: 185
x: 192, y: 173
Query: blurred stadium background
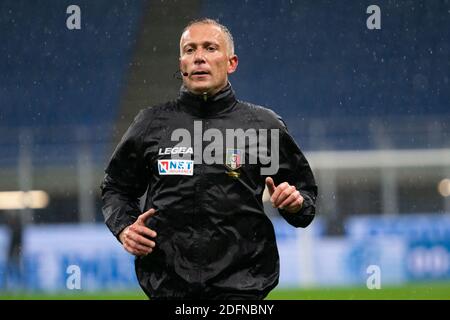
x: 370, y: 109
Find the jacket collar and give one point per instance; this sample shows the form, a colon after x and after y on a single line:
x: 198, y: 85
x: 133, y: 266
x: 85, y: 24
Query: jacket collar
x: 204, y: 106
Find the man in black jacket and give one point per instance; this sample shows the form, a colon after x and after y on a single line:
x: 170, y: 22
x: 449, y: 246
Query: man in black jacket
x: 204, y: 160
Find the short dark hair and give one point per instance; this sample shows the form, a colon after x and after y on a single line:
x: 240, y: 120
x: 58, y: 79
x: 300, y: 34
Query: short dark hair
x: 218, y: 24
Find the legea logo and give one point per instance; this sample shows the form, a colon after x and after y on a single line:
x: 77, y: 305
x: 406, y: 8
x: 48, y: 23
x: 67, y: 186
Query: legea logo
x: 176, y: 167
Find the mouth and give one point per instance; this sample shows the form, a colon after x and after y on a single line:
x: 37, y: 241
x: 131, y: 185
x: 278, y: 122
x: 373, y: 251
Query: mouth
x: 200, y: 73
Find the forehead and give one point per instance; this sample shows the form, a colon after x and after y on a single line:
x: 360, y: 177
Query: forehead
x: 199, y: 33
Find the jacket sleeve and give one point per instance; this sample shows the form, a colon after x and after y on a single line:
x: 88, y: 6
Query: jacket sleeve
x: 295, y: 169
x: 126, y: 179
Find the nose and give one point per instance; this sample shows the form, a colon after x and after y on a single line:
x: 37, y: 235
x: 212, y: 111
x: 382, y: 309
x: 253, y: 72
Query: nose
x: 199, y: 56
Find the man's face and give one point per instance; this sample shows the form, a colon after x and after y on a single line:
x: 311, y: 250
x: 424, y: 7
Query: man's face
x: 204, y: 56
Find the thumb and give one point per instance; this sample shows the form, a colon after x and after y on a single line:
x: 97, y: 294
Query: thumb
x: 147, y: 214
x: 270, y: 185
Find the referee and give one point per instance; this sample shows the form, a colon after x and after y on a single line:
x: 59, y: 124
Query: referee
x: 203, y: 233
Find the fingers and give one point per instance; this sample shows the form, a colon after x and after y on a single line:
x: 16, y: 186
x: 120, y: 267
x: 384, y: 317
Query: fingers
x: 283, y: 195
x: 135, y: 238
x: 144, y: 231
x: 293, y: 202
x: 137, y: 244
x: 270, y: 185
x: 286, y: 201
x: 296, y: 205
x: 136, y: 249
x: 278, y: 190
x: 287, y: 197
x: 143, y: 217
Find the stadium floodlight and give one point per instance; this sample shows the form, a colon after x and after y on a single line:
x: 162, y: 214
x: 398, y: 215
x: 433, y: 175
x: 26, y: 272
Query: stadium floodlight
x: 17, y: 200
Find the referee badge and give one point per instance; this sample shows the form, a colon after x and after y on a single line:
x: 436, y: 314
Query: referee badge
x: 233, y: 162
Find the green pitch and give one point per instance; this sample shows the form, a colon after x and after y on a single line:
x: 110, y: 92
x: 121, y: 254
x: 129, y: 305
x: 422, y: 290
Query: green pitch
x: 425, y: 291
x: 436, y: 291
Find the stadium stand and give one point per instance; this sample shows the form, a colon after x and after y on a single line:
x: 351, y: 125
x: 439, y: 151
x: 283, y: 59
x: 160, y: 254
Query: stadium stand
x: 55, y: 80
x: 320, y: 67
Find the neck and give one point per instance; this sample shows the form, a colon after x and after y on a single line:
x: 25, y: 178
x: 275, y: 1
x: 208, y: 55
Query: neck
x: 208, y: 93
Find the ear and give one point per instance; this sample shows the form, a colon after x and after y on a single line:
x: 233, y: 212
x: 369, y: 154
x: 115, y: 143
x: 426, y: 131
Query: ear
x: 232, y: 64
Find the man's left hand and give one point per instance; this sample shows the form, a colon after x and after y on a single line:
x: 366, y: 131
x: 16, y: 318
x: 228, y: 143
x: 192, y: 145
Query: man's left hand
x: 284, y: 196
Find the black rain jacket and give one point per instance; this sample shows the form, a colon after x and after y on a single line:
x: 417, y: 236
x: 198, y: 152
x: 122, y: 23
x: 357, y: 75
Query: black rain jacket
x: 214, y: 239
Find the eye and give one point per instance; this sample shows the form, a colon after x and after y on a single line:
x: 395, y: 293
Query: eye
x: 189, y: 50
x: 211, y: 48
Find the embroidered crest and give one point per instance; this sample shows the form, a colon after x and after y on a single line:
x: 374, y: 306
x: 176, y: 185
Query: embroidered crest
x: 233, y: 159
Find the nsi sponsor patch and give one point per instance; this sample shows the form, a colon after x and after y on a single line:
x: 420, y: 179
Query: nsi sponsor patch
x: 176, y: 167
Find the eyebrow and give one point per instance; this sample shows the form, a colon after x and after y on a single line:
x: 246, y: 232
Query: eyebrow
x: 204, y: 44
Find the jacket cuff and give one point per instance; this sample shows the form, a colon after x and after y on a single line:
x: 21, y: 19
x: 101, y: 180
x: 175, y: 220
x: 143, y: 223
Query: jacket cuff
x: 303, y: 217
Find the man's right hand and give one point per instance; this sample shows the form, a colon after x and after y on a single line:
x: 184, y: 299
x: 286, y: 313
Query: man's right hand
x: 135, y: 237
